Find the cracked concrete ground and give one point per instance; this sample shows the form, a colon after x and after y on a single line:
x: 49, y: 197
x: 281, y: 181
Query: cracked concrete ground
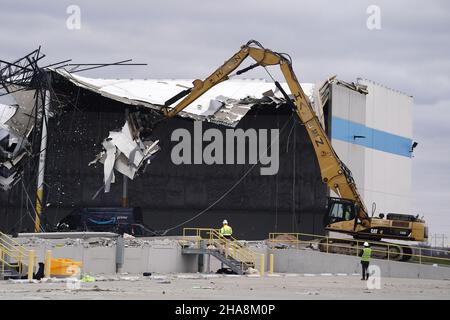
x: 202, y: 286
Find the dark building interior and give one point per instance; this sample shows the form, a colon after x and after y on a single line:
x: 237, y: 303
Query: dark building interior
x: 291, y: 201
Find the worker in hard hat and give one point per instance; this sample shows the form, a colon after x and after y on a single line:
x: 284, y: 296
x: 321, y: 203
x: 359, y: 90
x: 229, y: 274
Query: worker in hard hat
x: 365, y: 258
x: 226, y: 231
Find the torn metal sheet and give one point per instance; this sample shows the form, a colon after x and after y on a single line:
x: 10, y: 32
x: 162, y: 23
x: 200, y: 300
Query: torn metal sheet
x: 23, y: 121
x: 124, y: 153
x: 6, y: 112
x: 11, y: 145
x: 13, y: 149
x: 108, y: 163
x: 8, y: 182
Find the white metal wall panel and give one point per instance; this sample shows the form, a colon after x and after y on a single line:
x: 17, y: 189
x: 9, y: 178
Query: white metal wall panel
x: 354, y: 157
x: 382, y: 175
x: 388, y: 110
x: 387, y: 181
x: 348, y: 104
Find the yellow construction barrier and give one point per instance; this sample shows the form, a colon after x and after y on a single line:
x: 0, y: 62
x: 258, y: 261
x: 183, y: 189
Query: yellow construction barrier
x: 64, y: 267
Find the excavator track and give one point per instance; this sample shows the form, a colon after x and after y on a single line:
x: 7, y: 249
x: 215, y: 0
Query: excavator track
x: 379, y: 249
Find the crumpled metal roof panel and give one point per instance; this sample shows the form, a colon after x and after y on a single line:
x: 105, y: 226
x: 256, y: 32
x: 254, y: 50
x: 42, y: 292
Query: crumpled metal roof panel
x: 226, y: 103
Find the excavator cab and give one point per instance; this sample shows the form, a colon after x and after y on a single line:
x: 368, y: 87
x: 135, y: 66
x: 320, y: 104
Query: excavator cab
x: 339, y: 210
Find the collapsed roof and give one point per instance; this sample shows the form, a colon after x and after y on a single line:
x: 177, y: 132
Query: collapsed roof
x: 17, y: 79
x: 225, y: 104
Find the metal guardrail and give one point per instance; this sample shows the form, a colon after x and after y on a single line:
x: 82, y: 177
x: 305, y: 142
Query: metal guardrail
x: 296, y: 240
x: 204, y: 237
x: 15, y: 256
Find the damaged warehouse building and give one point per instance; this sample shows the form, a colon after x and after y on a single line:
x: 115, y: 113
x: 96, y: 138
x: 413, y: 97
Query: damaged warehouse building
x: 104, y: 150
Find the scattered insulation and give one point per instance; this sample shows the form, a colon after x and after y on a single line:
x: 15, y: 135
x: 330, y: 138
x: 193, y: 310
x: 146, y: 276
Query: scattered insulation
x: 124, y: 153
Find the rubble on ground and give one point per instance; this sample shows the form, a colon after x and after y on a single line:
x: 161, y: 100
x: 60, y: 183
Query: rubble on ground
x: 96, y: 242
x: 68, y: 242
x: 137, y: 242
x: 252, y: 271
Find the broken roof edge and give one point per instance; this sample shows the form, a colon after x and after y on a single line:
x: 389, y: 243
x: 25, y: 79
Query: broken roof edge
x: 359, y: 79
x: 225, y: 104
x: 97, y: 89
x: 355, y: 86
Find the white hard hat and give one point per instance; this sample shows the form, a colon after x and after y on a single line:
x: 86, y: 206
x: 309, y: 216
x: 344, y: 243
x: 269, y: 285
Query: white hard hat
x: 225, y: 222
x: 366, y: 244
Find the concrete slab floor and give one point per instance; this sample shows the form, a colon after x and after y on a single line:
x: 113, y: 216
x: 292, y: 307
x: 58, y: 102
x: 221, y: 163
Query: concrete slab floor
x: 172, y: 287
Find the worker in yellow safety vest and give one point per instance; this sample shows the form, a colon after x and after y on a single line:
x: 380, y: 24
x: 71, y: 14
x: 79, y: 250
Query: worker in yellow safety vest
x: 226, y: 231
x: 365, y: 258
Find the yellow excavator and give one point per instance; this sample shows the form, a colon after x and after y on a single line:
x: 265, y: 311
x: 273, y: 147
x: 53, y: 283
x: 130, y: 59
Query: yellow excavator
x: 345, y: 213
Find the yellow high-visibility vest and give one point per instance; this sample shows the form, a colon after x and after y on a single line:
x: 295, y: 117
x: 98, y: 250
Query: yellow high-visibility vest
x: 366, y: 254
x: 226, y: 230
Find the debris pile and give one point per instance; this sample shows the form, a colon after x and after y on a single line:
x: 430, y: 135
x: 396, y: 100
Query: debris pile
x: 20, y: 83
x: 69, y: 242
x: 251, y: 270
x: 136, y: 242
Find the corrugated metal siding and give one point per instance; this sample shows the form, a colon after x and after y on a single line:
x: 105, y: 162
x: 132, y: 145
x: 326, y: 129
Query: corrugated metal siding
x: 380, y: 162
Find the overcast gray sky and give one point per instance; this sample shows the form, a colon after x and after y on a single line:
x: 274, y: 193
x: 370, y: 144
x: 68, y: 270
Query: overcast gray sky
x: 188, y: 39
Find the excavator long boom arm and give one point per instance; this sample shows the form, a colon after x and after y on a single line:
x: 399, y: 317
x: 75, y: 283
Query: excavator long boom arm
x: 333, y: 171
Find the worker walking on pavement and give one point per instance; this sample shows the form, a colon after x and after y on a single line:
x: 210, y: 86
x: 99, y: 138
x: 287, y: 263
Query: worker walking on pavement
x: 226, y: 231
x: 365, y: 258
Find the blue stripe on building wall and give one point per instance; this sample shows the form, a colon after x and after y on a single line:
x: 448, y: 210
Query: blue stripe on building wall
x: 346, y: 130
